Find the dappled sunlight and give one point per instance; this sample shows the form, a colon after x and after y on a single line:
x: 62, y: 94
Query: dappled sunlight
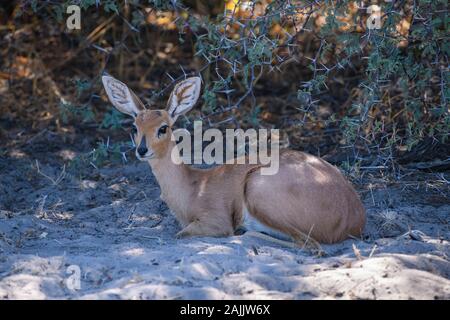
x: 67, y: 155
x: 208, y: 268
x: 310, y: 169
x: 126, y: 249
x: 202, y: 187
x: 164, y: 19
x: 135, y: 252
x: 88, y: 184
x: 22, y: 287
x: 77, y: 205
x: 17, y: 154
x: 217, y: 249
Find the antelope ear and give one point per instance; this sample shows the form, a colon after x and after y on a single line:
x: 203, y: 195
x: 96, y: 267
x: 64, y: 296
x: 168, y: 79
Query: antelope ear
x: 125, y: 100
x: 183, y: 97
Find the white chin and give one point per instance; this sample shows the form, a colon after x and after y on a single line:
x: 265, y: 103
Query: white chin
x: 145, y: 158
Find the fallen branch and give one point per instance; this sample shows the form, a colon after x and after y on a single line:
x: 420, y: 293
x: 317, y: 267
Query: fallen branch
x: 56, y: 181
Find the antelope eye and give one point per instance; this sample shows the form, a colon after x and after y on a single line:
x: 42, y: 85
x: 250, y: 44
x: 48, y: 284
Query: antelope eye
x: 133, y: 130
x: 162, y: 130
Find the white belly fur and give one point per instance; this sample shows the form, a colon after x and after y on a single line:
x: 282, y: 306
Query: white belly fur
x: 252, y: 224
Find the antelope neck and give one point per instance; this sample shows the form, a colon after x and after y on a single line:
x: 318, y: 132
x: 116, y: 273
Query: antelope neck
x: 170, y: 176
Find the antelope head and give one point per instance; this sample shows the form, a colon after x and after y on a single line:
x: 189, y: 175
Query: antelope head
x: 152, y: 129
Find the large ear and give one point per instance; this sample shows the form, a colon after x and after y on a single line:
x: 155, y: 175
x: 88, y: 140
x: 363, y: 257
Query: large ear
x: 122, y: 97
x: 183, y: 97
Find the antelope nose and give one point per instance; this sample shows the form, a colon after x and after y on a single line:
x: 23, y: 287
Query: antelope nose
x: 142, y: 149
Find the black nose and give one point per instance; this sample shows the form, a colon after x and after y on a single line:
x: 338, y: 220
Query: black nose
x: 142, y: 149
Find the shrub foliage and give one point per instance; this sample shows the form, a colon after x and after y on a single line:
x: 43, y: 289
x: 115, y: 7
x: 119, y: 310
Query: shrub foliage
x: 367, y: 80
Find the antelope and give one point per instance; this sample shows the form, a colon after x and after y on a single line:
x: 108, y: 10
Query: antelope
x: 308, y: 199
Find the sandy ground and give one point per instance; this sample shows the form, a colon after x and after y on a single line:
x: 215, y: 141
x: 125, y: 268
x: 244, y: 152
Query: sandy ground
x: 111, y: 226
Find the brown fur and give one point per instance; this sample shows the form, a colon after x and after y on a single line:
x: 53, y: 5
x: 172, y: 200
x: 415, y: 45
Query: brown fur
x: 306, y: 196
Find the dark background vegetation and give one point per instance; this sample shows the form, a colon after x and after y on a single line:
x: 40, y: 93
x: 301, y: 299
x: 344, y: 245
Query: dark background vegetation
x: 373, y: 101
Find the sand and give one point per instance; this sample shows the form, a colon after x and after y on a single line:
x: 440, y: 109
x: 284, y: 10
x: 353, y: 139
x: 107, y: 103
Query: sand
x: 111, y: 229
